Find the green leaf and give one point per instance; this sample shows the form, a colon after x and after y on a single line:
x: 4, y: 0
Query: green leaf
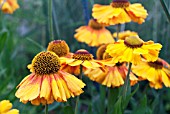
x: 4, y: 83
x: 3, y: 37
x: 36, y: 44
x: 112, y: 98
x: 165, y: 8
x: 102, y: 99
x: 141, y: 107
x: 67, y: 110
x: 53, y: 106
x: 126, y: 101
x: 89, y: 110
x: 118, y: 107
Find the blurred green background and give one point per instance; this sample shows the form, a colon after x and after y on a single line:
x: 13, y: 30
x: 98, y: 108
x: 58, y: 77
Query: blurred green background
x: 25, y: 33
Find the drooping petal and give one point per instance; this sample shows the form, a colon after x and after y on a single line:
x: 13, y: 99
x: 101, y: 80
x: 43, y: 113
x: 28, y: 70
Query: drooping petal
x: 137, y: 13
x: 75, y: 63
x: 55, y: 89
x: 45, y: 93
x: 31, y: 90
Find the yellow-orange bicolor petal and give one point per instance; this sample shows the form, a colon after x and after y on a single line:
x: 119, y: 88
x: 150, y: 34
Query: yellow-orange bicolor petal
x: 93, y: 37
x: 83, y: 34
x: 71, y: 69
x: 30, y: 89
x: 155, y: 72
x: 121, y: 19
x: 124, y: 34
x: 108, y: 15
x: 45, y: 93
x: 137, y: 13
x: 113, y: 76
x: 47, y: 88
x: 119, y: 13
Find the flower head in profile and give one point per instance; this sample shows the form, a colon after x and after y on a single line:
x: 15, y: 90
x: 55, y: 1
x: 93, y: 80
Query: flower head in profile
x: 157, y: 73
x: 119, y: 12
x: 48, y: 82
x: 80, y: 57
x: 133, y: 49
x: 124, y: 34
x: 113, y: 75
x: 8, y: 6
x: 59, y: 47
x: 5, y: 108
x: 94, y: 34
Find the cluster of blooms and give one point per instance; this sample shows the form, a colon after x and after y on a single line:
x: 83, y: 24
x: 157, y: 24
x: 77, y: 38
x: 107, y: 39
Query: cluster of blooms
x: 52, y: 78
x: 116, y: 56
x: 52, y: 71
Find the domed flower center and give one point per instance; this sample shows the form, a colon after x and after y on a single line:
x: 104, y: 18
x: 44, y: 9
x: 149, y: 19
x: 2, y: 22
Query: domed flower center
x: 106, y: 56
x: 133, y: 42
x: 45, y: 63
x: 120, y: 3
x: 94, y: 24
x: 100, y: 52
x: 157, y: 64
x: 59, y: 47
x: 82, y: 55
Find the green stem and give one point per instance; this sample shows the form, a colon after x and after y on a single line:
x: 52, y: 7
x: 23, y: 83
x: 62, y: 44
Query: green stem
x: 118, y: 30
x: 78, y: 97
x: 50, y: 19
x: 127, y: 82
x: 46, y: 108
x: 165, y: 9
x: 76, y: 107
x: 108, y: 98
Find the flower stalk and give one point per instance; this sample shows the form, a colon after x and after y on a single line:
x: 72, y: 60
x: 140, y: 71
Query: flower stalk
x: 127, y: 83
x: 77, y: 100
x: 118, y: 30
x: 46, y: 108
x: 50, y: 19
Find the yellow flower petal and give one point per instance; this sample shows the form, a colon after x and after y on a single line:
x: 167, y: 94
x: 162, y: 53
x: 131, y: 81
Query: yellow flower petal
x: 75, y: 63
x: 45, y: 84
x: 165, y: 79
x: 5, y: 105
x: 55, y: 89
x: 13, y: 111
x: 61, y: 89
